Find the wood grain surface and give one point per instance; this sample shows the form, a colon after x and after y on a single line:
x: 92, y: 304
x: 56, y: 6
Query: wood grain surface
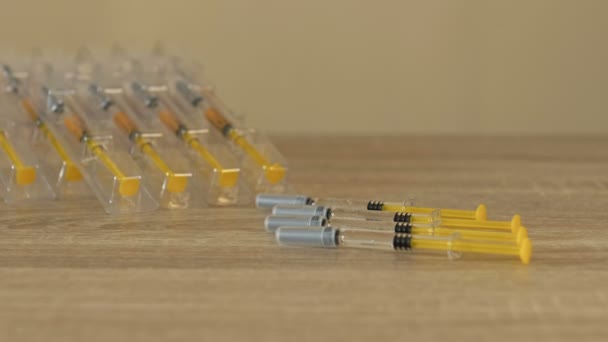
x: 69, y: 272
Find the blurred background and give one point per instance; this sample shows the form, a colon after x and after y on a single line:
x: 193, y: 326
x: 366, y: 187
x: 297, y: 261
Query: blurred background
x: 360, y: 66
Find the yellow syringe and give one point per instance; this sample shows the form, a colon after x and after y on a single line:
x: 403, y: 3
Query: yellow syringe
x: 414, y: 226
x: 274, y: 173
x: 174, y: 182
x: 127, y: 186
x: 228, y: 177
x: 358, y: 205
x: 355, y: 238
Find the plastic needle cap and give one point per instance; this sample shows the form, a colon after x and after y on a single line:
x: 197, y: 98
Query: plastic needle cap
x: 270, y: 200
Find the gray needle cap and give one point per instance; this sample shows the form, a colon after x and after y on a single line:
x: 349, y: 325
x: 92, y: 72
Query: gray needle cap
x: 301, y: 210
x: 272, y: 223
x: 306, y: 236
x: 270, y: 200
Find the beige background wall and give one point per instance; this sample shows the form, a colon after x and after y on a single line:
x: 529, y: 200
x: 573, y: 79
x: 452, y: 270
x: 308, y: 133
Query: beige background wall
x: 536, y: 66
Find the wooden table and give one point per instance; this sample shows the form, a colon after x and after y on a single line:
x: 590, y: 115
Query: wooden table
x: 69, y: 272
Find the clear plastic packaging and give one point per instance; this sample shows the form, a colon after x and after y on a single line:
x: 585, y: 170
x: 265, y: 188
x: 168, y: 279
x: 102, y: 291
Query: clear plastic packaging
x: 166, y: 171
x: 61, y: 171
x: 264, y: 167
x: 20, y: 174
x: 111, y: 173
x: 217, y: 173
x: 82, y: 112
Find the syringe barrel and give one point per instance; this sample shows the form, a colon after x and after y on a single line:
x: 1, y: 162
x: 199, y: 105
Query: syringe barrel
x: 351, y: 238
x: 399, y: 242
x: 356, y: 205
x: 270, y: 200
x: 374, y: 225
x: 360, y: 238
x: 384, y: 221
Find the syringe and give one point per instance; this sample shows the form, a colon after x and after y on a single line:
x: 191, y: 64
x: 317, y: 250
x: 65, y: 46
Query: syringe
x: 271, y: 200
x: 174, y: 182
x: 272, y: 223
x: 70, y: 172
x: 273, y: 172
x: 354, y: 238
x: 127, y: 186
x: 433, y: 218
x: 227, y: 177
